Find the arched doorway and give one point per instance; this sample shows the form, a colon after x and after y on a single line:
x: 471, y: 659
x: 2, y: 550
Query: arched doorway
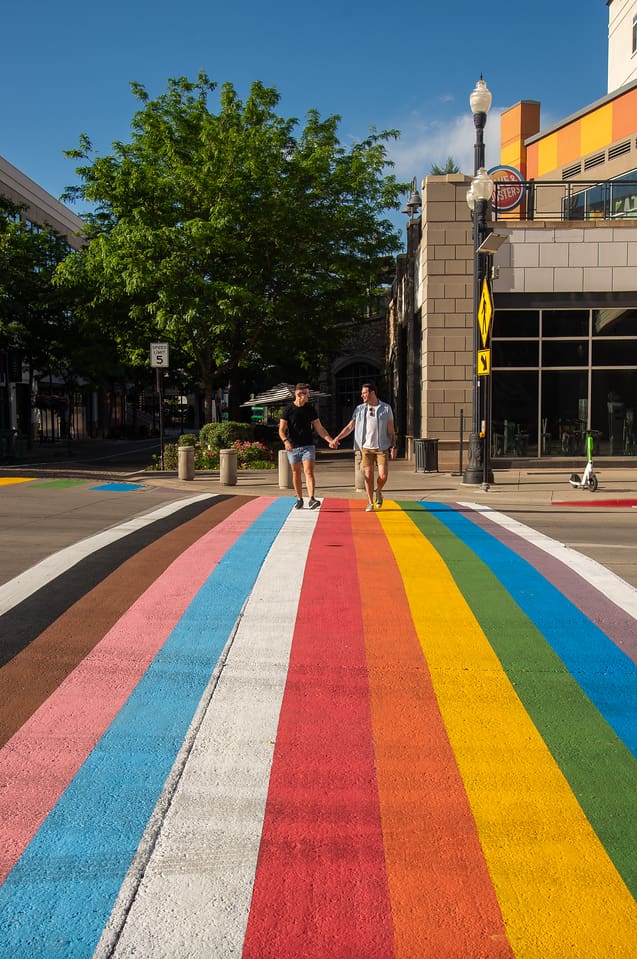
x: 347, y: 389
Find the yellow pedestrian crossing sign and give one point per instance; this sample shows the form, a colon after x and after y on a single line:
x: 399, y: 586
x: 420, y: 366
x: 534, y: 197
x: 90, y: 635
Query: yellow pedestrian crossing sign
x: 484, y: 362
x: 485, y: 312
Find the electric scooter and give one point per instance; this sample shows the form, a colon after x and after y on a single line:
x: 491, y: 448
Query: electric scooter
x: 588, y: 480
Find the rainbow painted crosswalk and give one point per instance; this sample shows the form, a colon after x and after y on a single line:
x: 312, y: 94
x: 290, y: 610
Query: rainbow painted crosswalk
x: 247, y: 731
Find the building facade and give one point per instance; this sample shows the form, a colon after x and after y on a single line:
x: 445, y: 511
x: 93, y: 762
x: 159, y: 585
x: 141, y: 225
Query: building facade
x: 21, y: 419
x: 563, y: 350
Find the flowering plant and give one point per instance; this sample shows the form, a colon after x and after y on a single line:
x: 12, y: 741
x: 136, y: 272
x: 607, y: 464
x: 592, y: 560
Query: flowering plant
x: 253, y: 455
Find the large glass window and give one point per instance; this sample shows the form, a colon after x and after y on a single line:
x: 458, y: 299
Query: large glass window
x: 613, y: 406
x: 565, y: 353
x: 577, y: 372
x: 564, y: 411
x: 514, y: 413
x: 617, y: 322
x: 514, y: 323
x: 563, y: 323
x: 515, y: 353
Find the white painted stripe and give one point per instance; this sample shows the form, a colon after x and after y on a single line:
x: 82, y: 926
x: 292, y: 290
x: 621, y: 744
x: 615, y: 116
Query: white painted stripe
x: 25, y: 584
x: 192, y: 898
x: 613, y: 586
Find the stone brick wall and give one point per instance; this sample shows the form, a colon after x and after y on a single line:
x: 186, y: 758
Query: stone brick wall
x: 445, y: 296
x: 594, y: 256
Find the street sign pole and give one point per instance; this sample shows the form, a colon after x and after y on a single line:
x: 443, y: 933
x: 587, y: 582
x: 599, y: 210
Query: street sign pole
x: 159, y: 360
x: 485, y: 316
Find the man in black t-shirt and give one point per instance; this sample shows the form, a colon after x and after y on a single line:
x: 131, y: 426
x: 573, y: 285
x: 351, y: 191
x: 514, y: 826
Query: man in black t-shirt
x: 295, y: 429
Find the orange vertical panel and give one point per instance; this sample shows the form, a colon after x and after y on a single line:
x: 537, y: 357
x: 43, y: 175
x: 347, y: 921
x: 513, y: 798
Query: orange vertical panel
x: 569, y: 140
x: 625, y: 115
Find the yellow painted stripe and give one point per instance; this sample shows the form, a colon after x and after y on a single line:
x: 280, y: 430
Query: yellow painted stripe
x: 12, y: 480
x: 559, y: 892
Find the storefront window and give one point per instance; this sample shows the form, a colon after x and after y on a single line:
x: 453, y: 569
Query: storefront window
x: 515, y: 353
x: 617, y: 322
x: 578, y: 373
x: 514, y: 323
x: 564, y: 353
x: 514, y: 413
x: 561, y: 323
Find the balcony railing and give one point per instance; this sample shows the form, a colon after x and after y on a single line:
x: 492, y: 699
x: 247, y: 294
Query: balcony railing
x: 566, y: 200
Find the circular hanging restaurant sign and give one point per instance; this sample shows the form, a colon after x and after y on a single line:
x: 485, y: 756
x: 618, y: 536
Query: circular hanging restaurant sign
x: 510, y: 190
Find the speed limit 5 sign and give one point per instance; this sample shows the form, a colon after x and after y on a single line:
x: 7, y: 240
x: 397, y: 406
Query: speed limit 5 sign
x: 159, y: 355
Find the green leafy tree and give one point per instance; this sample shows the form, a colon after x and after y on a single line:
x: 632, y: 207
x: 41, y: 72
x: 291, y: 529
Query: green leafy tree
x: 230, y: 235
x: 450, y: 167
x: 35, y: 314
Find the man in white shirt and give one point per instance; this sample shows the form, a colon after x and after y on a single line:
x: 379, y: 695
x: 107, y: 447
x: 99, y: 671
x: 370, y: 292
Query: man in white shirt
x: 374, y: 435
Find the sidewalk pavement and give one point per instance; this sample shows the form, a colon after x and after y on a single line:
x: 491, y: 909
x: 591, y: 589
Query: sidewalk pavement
x: 336, y: 477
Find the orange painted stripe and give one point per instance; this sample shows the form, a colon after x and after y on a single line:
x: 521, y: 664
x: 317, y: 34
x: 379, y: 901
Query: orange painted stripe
x: 442, y: 898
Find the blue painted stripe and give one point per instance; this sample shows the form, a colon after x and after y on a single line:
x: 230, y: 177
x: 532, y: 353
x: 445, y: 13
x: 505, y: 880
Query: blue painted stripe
x: 605, y: 673
x: 59, y: 895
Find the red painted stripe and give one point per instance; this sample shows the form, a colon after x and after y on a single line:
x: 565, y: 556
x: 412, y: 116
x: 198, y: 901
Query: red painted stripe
x: 442, y: 898
x: 320, y: 888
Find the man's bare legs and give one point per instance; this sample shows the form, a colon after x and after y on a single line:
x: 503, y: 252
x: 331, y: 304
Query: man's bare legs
x: 308, y: 466
x: 298, y: 469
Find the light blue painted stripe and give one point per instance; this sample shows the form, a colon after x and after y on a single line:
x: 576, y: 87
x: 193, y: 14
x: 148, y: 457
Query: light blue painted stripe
x: 604, y: 672
x: 58, y: 897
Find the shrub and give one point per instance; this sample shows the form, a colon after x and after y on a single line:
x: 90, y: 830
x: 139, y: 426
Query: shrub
x: 221, y: 436
x: 187, y: 439
x: 255, y: 456
x: 206, y: 459
x: 170, y: 457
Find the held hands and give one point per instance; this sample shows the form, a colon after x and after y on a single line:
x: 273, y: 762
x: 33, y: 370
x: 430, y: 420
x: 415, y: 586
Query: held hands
x: 333, y: 444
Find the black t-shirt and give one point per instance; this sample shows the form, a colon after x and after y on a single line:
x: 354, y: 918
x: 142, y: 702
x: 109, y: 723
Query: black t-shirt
x: 299, y: 420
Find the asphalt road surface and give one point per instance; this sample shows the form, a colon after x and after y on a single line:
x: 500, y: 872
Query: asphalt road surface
x: 234, y: 729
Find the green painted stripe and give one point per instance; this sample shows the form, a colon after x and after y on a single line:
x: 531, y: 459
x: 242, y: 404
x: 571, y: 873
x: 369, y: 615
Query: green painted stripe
x: 599, y: 768
x: 59, y: 483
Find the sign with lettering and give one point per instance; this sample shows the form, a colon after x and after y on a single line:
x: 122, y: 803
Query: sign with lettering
x: 159, y: 355
x: 509, y: 189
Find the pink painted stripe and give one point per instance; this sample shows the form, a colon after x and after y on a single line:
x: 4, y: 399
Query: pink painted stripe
x: 39, y: 761
x: 320, y: 888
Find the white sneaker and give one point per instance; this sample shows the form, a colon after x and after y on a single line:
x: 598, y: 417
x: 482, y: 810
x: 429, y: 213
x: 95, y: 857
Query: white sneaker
x: 378, y: 499
x: 369, y: 508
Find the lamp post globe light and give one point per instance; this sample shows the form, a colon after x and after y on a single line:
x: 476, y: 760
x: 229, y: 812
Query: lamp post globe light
x: 478, y: 197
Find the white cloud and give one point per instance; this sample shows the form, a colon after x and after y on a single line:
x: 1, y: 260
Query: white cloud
x: 424, y: 143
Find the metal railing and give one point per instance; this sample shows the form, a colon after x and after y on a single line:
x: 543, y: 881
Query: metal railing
x: 566, y: 200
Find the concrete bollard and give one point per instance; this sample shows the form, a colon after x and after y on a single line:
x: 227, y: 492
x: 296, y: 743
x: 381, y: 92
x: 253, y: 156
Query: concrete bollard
x: 186, y: 462
x: 285, y: 479
x: 359, y: 476
x: 228, y: 467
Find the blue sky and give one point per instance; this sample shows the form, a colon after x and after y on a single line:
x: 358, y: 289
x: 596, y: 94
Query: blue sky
x: 65, y: 69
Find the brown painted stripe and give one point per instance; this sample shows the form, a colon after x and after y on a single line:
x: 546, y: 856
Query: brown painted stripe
x: 25, y: 621
x: 31, y: 676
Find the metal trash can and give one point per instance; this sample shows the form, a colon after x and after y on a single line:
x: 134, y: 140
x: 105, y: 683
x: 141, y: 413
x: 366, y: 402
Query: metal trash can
x: 426, y: 451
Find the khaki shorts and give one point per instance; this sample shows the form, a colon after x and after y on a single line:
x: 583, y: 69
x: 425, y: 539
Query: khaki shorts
x: 371, y: 457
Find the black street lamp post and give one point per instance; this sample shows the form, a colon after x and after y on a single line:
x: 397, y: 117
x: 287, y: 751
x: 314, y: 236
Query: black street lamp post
x: 478, y: 196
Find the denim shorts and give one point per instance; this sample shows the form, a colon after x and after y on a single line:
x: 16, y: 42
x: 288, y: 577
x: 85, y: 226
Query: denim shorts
x: 301, y: 454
